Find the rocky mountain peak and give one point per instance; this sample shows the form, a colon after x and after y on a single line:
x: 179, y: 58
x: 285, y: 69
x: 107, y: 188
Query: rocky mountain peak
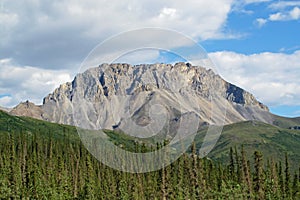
x: 108, y: 88
x: 29, y: 109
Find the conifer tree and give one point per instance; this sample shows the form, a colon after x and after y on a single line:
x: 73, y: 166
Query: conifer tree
x: 231, y: 163
x: 194, y: 173
x: 281, y: 182
x: 274, y: 179
x: 287, y: 176
x: 246, y: 173
x: 238, y: 166
x: 258, y: 176
x: 296, y: 192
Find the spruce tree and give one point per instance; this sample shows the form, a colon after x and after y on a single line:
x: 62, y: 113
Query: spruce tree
x: 231, y: 163
x: 238, y: 166
x: 258, y: 175
x: 274, y: 179
x: 281, y: 181
x: 246, y: 173
x: 287, y: 176
x: 295, y: 188
x: 194, y: 173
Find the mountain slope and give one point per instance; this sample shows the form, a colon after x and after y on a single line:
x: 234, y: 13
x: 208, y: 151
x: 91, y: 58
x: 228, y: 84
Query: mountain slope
x: 272, y: 141
x: 27, y: 109
x: 286, y: 122
x: 5, y: 109
x: 15, y: 124
x: 121, y: 95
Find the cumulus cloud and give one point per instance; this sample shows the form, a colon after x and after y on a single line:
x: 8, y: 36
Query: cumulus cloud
x: 60, y: 33
x: 293, y: 14
x: 57, y: 35
x: 255, y: 1
x: 272, y: 77
x: 239, y: 5
x: 22, y: 83
x: 260, y: 22
x: 284, y: 11
x: 5, y: 100
x: 139, y: 56
x: 281, y: 5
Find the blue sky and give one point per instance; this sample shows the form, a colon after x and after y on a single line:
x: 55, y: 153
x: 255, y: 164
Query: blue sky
x: 273, y: 36
x: 278, y: 36
x: 254, y: 44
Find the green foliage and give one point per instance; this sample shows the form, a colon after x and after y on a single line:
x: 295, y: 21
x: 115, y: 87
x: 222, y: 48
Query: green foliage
x: 272, y: 141
x: 41, y: 160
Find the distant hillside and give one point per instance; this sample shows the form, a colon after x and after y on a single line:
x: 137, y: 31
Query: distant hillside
x: 14, y: 124
x: 272, y: 141
x: 5, y: 109
x: 286, y: 122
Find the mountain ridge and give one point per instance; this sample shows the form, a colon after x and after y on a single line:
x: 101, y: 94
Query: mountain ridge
x: 111, y: 84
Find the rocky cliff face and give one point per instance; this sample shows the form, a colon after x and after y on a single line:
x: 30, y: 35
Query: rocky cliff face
x: 28, y: 109
x: 107, y: 96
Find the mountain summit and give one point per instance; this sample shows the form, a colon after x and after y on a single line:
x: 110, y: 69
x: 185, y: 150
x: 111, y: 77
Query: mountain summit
x: 106, y: 97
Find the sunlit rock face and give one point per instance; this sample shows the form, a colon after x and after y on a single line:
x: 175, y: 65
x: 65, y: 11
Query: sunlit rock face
x: 121, y: 95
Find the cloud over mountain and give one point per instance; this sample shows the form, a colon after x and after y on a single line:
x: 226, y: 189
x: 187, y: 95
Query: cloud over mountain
x: 272, y: 77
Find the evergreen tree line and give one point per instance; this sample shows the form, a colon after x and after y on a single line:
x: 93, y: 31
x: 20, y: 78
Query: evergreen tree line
x: 33, y: 167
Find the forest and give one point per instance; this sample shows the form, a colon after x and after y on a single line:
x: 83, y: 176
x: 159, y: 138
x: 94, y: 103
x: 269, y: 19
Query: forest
x: 35, y: 167
x: 42, y: 160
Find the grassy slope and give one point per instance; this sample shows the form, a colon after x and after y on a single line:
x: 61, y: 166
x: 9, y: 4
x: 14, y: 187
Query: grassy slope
x: 14, y: 124
x: 271, y: 140
x: 285, y: 122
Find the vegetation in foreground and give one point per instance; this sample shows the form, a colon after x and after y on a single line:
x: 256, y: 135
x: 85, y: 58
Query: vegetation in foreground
x: 38, y: 164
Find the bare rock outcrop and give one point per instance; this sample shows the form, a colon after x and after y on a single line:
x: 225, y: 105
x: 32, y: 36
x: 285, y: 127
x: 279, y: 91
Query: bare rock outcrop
x: 106, y: 94
x: 28, y: 109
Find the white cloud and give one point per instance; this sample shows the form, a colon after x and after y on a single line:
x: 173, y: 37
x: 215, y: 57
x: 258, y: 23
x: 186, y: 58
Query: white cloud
x: 23, y: 83
x: 5, y: 101
x: 284, y: 15
x: 272, y: 77
x: 295, y: 13
x: 239, y: 5
x: 281, y: 5
x: 168, y: 13
x: 255, y: 1
x: 260, y: 22
x: 8, y: 20
x: 57, y: 33
x: 139, y: 56
x: 293, y: 48
x: 277, y: 17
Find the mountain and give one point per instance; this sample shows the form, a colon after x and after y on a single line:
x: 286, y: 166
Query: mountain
x: 121, y: 95
x: 109, y: 96
x: 27, y: 109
